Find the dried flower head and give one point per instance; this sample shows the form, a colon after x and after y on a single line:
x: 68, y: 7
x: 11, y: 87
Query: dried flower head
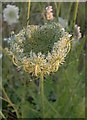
x: 10, y: 14
x: 37, y: 63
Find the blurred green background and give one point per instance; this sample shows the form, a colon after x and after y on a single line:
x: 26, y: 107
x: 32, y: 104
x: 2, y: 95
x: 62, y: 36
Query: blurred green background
x: 64, y: 91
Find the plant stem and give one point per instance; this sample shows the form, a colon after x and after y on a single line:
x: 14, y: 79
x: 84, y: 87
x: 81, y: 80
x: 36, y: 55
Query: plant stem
x: 2, y: 115
x: 9, y: 101
x: 75, y: 12
x: 28, y: 12
x: 57, y: 6
x: 42, y: 93
x: 73, y: 15
x: 70, y: 6
x: 3, y: 99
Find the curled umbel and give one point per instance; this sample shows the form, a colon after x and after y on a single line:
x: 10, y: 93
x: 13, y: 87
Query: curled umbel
x: 40, y: 49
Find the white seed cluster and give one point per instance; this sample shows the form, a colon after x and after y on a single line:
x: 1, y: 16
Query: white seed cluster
x: 39, y: 63
x: 11, y: 14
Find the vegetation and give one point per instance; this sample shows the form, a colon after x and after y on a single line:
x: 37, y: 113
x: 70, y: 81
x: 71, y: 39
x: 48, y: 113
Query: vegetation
x: 60, y: 94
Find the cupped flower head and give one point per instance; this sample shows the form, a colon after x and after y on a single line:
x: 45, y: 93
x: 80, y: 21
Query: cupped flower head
x: 10, y: 14
x: 36, y: 63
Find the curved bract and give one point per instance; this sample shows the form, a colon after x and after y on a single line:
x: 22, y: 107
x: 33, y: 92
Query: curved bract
x: 40, y: 49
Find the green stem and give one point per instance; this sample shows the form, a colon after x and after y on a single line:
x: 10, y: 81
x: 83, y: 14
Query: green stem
x: 2, y: 115
x: 42, y: 93
x: 57, y: 6
x: 43, y: 98
x: 9, y: 101
x: 28, y: 12
x: 3, y: 99
x: 70, y: 7
x: 75, y: 12
x: 73, y: 15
